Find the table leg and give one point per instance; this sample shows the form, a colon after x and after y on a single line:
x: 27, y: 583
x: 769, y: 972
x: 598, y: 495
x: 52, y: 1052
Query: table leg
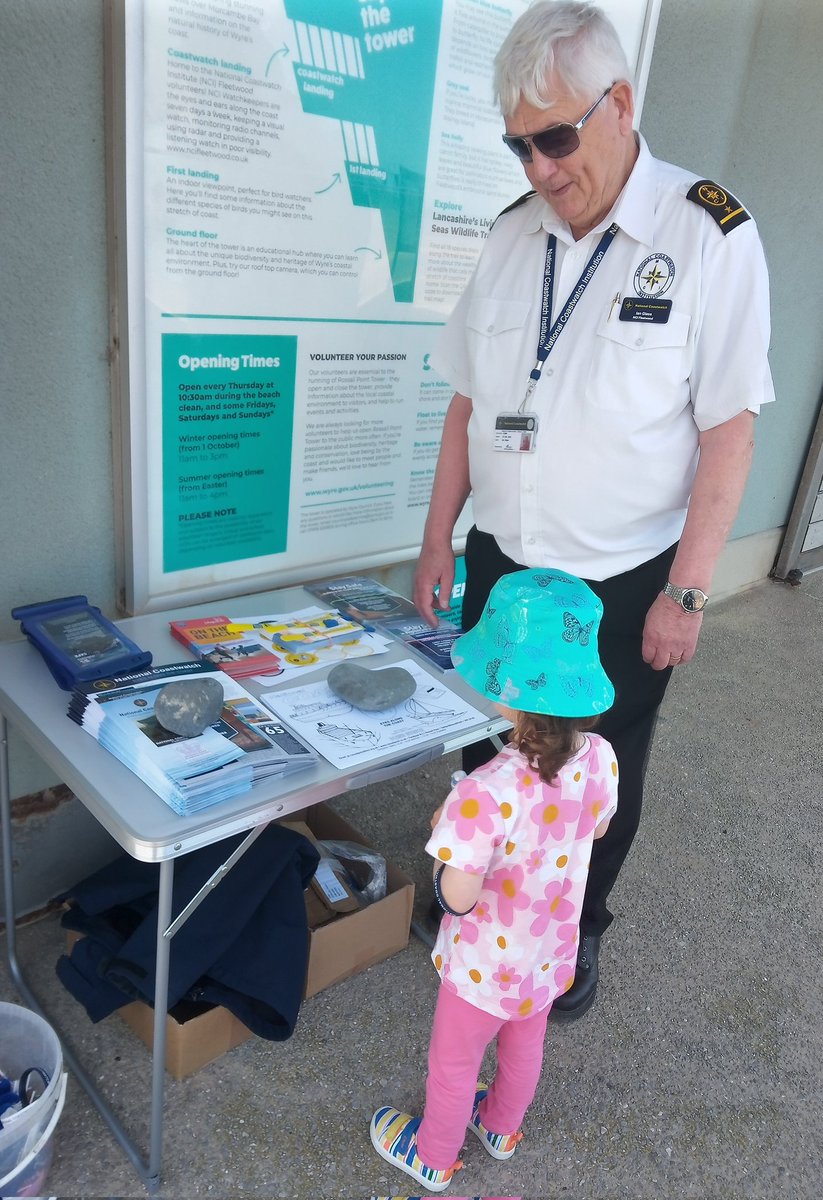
x: 149, y: 1173
x: 161, y: 1004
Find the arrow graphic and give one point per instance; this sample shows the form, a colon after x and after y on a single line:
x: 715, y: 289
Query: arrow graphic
x: 336, y: 178
x: 283, y: 51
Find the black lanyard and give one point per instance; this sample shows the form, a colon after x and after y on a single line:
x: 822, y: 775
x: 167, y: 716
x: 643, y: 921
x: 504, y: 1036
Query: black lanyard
x: 548, y: 336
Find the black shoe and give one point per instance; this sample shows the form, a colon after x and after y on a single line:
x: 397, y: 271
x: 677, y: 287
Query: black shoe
x: 580, y: 997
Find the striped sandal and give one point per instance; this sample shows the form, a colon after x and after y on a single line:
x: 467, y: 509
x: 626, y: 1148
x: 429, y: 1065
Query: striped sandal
x: 394, y: 1137
x: 499, y: 1145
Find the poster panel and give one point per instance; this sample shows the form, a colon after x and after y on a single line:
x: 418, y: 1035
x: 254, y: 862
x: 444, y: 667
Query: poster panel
x: 308, y: 185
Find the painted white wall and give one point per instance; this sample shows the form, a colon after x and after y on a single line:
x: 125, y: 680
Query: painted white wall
x: 733, y: 93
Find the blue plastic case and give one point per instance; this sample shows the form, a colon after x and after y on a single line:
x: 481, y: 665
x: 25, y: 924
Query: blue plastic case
x: 77, y: 642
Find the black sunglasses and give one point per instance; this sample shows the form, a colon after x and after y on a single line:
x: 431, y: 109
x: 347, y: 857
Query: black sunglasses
x: 555, y: 142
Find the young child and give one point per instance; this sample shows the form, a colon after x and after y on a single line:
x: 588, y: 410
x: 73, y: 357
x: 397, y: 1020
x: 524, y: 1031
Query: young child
x: 511, y: 845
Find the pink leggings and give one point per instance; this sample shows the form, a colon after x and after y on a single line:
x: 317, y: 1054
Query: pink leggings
x: 460, y: 1035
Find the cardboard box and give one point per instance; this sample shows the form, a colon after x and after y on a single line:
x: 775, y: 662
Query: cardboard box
x: 339, y: 948
x: 354, y: 941
x: 191, y: 1041
x: 190, y: 1044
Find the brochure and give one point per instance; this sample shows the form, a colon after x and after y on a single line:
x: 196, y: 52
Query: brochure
x: 241, y: 748
x: 219, y: 642
x: 435, y: 645
x: 363, y: 599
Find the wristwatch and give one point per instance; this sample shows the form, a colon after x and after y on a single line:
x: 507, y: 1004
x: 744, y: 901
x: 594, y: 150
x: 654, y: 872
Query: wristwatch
x: 691, y: 600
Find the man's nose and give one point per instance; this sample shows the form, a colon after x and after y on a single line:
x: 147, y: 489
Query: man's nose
x: 543, y: 167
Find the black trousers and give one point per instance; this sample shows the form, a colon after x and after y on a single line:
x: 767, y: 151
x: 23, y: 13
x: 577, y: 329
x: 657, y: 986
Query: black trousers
x: 628, y: 725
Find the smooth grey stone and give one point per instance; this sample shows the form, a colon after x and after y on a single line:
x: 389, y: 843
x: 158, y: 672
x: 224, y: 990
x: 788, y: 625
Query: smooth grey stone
x: 188, y: 706
x: 371, y: 690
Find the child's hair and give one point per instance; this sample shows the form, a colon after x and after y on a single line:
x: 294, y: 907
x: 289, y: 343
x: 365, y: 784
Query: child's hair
x: 548, y: 742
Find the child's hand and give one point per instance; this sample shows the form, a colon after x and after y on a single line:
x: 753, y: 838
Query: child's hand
x: 436, y: 816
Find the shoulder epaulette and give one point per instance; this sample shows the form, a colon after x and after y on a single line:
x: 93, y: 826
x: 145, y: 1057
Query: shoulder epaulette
x: 515, y: 204
x: 728, y: 212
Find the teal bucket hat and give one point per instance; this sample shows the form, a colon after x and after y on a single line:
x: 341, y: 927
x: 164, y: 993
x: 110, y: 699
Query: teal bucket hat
x: 535, y: 647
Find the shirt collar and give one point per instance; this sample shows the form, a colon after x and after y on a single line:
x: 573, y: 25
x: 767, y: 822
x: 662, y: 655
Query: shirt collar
x: 633, y: 210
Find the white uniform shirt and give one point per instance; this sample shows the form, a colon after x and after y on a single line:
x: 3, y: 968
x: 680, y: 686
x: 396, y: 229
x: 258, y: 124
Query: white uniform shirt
x: 619, y: 403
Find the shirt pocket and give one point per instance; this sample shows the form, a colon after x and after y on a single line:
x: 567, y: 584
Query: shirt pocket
x: 639, y: 368
x: 500, y: 359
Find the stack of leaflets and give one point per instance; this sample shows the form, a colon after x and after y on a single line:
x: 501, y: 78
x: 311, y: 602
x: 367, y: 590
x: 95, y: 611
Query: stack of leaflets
x: 378, y: 607
x: 221, y: 643
x: 245, y: 745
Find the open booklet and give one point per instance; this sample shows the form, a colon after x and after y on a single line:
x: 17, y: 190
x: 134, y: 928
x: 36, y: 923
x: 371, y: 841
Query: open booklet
x: 243, y: 746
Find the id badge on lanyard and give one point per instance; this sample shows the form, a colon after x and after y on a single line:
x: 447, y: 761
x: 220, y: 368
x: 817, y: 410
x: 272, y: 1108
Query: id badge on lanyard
x: 516, y: 432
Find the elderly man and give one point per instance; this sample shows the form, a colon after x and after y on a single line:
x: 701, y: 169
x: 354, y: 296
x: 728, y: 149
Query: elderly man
x: 608, y: 358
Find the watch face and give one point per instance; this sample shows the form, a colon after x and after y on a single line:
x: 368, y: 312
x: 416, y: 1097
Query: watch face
x: 693, y: 600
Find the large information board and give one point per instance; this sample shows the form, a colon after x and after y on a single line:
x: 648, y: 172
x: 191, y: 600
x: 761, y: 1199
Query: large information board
x: 302, y: 188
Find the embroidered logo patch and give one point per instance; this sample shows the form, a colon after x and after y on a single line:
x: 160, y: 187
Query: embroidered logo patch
x: 654, y: 276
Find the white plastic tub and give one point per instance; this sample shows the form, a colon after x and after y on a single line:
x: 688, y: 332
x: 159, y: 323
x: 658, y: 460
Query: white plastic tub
x: 28, y: 1176
x: 26, y: 1040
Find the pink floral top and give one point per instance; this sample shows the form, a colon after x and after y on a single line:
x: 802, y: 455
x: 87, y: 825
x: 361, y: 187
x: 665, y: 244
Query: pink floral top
x: 516, y: 950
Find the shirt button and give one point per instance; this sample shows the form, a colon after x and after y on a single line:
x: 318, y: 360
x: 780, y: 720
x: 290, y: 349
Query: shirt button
x: 550, y: 371
x: 530, y: 541
x: 489, y: 329
x: 639, y: 341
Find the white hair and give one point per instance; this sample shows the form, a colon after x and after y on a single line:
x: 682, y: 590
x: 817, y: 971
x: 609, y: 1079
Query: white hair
x: 557, y: 42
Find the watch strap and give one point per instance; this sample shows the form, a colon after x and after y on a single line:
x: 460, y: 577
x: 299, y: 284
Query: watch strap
x: 677, y: 593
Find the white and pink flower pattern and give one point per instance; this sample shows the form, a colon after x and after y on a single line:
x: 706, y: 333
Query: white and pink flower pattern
x: 472, y: 810
x: 515, y: 951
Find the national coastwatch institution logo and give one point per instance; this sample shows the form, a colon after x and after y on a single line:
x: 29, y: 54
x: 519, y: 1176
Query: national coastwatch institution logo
x: 654, y: 276
x: 710, y: 193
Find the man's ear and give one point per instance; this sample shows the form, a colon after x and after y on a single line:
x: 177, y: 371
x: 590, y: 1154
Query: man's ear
x: 623, y: 96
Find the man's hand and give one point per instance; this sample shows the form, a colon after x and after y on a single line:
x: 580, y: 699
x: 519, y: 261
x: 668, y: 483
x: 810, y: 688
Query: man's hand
x: 433, y: 567
x: 450, y: 491
x: 670, y: 635
x: 436, y: 815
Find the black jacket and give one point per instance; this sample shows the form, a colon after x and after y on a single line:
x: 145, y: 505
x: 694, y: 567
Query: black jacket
x: 245, y: 947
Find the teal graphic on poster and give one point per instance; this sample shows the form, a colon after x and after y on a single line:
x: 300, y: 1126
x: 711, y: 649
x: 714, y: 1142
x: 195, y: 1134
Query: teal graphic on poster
x: 372, y: 67
x: 228, y: 414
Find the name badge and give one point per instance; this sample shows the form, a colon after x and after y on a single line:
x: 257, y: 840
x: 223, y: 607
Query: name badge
x: 647, y: 311
x: 516, y: 432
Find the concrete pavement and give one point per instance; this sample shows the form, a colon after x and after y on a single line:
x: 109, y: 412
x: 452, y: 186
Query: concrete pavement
x: 699, y: 1071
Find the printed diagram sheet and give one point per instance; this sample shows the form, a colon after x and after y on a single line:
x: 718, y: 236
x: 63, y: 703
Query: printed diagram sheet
x: 348, y: 736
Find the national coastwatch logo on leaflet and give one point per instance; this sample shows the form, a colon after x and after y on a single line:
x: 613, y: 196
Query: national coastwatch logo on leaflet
x: 654, y: 276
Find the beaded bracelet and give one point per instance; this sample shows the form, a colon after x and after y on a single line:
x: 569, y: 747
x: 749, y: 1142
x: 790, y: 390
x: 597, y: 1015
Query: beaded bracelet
x: 438, y: 895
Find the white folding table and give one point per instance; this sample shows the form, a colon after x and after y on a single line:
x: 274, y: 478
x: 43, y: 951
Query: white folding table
x: 147, y: 829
